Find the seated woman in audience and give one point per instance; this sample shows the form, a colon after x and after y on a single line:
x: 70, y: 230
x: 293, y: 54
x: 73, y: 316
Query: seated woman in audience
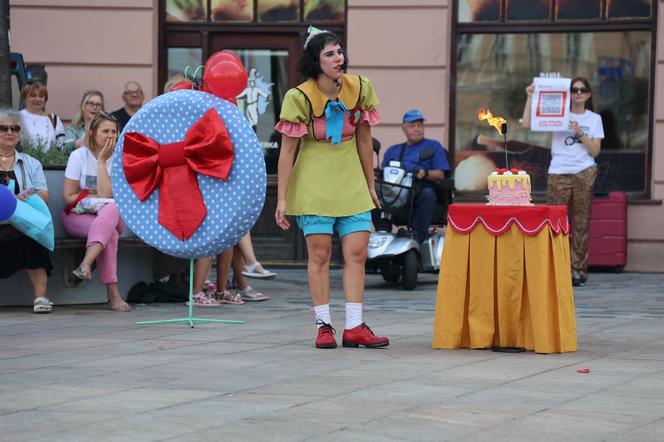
x: 88, y: 173
x: 23, y: 174
x: 43, y: 130
x: 91, y: 103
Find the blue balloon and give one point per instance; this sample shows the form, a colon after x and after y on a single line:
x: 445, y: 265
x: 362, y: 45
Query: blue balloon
x: 33, y: 218
x: 7, y: 203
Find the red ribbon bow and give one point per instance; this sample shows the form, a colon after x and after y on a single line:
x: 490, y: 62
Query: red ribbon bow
x: 206, y: 149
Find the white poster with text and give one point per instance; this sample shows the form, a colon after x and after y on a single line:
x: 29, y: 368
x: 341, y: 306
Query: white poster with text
x: 550, y: 104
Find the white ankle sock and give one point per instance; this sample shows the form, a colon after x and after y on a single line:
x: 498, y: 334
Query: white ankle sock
x: 353, y: 314
x: 322, y: 313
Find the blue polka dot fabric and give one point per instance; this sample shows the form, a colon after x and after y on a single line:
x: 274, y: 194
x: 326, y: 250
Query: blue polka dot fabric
x: 232, y: 205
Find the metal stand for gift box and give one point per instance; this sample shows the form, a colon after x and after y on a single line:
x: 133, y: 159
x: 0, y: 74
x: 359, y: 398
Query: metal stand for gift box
x: 191, y: 320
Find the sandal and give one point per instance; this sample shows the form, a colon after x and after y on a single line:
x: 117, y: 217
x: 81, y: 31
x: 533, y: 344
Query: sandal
x: 203, y: 300
x: 229, y: 298
x: 42, y: 305
x: 209, y: 286
x: 249, y: 294
x: 256, y: 270
x: 81, y: 274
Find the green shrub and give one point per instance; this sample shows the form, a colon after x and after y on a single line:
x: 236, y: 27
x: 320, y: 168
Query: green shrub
x: 52, y: 157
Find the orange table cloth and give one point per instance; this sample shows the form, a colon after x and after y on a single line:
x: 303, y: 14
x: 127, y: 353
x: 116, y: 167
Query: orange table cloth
x: 505, y: 280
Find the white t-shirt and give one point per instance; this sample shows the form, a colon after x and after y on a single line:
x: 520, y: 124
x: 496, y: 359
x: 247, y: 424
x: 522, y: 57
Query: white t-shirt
x: 568, y: 155
x: 41, y: 132
x: 82, y: 166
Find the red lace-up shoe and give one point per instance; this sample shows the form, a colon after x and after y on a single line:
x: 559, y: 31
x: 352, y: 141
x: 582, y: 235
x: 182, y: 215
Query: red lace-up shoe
x: 362, y: 335
x: 325, y: 338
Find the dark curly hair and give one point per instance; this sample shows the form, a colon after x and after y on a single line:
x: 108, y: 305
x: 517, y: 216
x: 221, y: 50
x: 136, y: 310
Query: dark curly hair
x: 309, y: 65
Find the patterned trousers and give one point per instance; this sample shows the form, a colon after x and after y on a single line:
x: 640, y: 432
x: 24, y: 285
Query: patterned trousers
x: 576, y: 192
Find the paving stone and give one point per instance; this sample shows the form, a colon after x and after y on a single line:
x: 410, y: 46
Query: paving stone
x: 86, y: 373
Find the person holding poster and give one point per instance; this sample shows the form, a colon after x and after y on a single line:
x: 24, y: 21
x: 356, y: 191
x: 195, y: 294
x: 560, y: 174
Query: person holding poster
x: 331, y: 185
x: 573, y: 169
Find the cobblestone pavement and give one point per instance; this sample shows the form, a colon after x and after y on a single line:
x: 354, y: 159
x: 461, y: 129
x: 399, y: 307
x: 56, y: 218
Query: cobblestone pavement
x: 84, y: 373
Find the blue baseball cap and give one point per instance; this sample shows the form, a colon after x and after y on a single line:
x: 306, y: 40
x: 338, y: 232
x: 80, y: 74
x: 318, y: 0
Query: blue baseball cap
x: 413, y: 115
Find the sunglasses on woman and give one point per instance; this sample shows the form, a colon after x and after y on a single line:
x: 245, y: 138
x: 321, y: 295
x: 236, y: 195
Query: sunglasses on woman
x: 15, y: 128
x: 107, y: 116
x: 580, y: 90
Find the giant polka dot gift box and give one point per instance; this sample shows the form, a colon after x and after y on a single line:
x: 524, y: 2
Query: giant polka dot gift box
x: 155, y: 202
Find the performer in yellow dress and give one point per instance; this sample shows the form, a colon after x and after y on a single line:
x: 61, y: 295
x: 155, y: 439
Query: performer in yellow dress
x: 331, y: 185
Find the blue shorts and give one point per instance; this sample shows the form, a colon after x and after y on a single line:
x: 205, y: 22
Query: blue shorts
x: 312, y: 224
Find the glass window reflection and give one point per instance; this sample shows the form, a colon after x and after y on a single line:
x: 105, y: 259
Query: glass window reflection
x: 575, y: 10
x: 323, y: 10
x: 629, y: 8
x: 260, y: 102
x: 278, y: 10
x: 493, y: 72
x: 479, y: 11
x: 178, y: 59
x: 531, y: 10
x: 186, y: 10
x: 232, y: 10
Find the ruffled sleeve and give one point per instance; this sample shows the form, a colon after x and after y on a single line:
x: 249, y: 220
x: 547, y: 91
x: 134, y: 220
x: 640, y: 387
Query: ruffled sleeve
x: 294, y: 116
x: 369, y: 103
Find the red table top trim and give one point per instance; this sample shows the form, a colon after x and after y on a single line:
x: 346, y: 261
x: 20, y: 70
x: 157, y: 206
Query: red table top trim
x: 530, y: 220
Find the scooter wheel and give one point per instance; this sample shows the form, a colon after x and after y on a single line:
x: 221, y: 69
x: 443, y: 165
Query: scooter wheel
x: 391, y: 277
x: 409, y: 270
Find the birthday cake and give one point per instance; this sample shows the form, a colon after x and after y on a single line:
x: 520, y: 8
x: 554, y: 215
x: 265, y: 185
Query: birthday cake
x: 509, y: 187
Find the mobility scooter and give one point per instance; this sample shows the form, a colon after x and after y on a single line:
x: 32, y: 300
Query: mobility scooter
x: 393, y: 248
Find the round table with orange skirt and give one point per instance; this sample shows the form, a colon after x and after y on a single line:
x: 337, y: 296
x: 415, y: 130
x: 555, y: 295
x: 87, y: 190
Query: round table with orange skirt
x: 505, y: 280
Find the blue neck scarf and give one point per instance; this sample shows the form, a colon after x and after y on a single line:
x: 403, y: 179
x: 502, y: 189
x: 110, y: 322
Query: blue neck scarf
x: 334, y: 120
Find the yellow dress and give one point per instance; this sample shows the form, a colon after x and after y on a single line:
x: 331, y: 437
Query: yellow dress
x: 327, y: 179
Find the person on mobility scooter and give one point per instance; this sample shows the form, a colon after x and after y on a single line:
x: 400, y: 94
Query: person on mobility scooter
x: 415, y: 190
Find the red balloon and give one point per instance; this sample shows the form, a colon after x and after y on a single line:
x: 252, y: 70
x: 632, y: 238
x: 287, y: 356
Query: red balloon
x: 225, y: 79
x: 221, y: 56
x: 181, y: 86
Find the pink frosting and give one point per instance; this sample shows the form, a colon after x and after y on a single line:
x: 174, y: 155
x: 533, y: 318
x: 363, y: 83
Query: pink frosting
x: 294, y: 130
x: 520, y: 196
x: 372, y: 117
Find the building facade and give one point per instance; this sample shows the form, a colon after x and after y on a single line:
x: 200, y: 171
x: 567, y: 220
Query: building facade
x: 446, y: 57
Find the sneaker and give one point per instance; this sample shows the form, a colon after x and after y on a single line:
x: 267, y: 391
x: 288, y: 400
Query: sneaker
x: 256, y: 270
x: 577, y: 279
x: 249, y: 294
x: 362, y: 335
x: 325, y: 337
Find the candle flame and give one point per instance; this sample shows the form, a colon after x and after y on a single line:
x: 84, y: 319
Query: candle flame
x: 497, y: 122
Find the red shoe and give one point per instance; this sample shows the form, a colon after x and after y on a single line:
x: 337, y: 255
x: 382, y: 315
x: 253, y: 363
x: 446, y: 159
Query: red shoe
x: 362, y: 335
x: 325, y: 338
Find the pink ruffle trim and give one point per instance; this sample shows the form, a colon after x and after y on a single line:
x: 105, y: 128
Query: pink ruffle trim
x: 294, y: 130
x: 372, y: 117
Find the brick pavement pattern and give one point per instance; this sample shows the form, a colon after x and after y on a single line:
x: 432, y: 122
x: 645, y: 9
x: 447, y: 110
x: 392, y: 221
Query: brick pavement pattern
x: 85, y: 373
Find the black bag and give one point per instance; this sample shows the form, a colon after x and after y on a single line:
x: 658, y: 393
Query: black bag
x: 147, y: 293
